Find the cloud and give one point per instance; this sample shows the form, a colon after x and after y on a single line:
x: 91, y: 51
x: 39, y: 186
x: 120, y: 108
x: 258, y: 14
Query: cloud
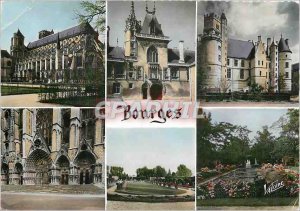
x: 27, y: 9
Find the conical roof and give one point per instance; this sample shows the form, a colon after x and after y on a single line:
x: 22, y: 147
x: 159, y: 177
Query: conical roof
x: 283, y: 46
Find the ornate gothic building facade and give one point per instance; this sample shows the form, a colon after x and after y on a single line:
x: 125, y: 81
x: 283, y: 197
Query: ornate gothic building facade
x: 146, y: 62
x: 52, y: 146
x: 233, y: 65
x: 72, y: 54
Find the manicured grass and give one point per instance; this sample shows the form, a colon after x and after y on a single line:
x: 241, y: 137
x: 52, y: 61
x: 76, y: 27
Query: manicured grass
x: 149, y: 189
x: 64, y: 189
x: 14, y: 90
x: 86, y: 101
x: 284, y: 201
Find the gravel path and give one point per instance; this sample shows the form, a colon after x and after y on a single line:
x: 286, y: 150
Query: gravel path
x: 121, y: 205
x: 26, y: 100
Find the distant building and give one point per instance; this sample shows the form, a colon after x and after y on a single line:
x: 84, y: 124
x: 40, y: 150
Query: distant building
x: 146, y: 63
x: 52, y: 146
x: 295, y: 78
x: 6, y: 65
x: 232, y: 65
x: 69, y: 55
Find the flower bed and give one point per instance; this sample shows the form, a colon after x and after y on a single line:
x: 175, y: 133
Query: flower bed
x: 206, y: 173
x: 235, y: 188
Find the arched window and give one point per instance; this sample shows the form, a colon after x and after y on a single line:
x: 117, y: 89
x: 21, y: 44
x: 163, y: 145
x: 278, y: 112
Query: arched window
x: 152, y: 55
x: 44, y: 121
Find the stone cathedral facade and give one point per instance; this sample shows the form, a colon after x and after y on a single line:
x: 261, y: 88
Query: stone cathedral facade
x: 230, y: 65
x: 52, y: 146
x: 145, y: 61
x: 57, y: 57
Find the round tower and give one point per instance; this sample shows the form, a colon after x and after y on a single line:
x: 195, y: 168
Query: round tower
x: 224, y: 45
x: 285, y: 65
x: 211, y: 52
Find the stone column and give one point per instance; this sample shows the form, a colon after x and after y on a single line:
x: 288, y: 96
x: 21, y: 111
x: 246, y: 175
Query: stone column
x: 55, y: 176
x: 56, y: 130
x: 74, y: 175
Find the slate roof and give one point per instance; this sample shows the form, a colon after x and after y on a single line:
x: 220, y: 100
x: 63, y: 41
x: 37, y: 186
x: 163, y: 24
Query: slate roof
x: 283, y: 46
x: 19, y: 33
x: 173, y: 56
x: 146, y: 25
x: 5, y: 54
x: 116, y: 52
x: 239, y: 49
x: 295, y: 67
x: 71, y: 32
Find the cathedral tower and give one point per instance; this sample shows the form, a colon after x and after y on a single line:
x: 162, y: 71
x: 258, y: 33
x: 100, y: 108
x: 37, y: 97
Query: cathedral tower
x: 17, y: 45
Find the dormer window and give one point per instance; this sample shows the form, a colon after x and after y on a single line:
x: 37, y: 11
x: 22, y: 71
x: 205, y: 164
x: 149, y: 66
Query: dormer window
x: 152, y: 28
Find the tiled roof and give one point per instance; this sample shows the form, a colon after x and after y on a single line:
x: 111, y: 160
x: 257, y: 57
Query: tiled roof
x: 173, y: 56
x: 239, y: 49
x: 71, y: 32
x: 116, y: 53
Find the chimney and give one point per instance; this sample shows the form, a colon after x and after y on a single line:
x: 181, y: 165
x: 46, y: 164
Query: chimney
x: 268, y: 42
x: 259, y: 38
x: 107, y: 36
x: 181, y: 51
x: 287, y: 42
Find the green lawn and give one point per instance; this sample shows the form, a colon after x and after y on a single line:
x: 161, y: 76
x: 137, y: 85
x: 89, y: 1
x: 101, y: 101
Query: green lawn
x: 149, y: 189
x: 85, y: 101
x: 284, y: 201
x: 14, y: 90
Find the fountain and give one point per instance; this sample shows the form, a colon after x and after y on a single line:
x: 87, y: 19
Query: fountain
x: 248, y: 164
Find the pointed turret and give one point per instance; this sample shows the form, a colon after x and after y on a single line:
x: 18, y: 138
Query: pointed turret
x: 283, y: 45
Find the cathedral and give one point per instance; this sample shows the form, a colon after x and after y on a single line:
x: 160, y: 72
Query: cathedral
x: 66, y: 56
x: 230, y: 65
x: 52, y: 146
x: 145, y: 68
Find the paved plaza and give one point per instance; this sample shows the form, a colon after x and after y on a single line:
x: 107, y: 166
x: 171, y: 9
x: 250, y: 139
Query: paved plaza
x: 47, y: 197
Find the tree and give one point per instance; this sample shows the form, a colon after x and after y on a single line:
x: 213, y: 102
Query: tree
x: 215, y: 141
x: 183, y: 171
x: 281, y: 82
x: 117, y: 171
x: 263, y: 149
x: 94, y: 13
x: 289, y: 135
x: 159, y: 171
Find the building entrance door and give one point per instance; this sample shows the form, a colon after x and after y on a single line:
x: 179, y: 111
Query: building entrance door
x: 81, y: 178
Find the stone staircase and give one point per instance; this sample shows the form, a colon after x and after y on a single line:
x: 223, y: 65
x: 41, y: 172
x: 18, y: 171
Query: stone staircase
x: 60, y: 189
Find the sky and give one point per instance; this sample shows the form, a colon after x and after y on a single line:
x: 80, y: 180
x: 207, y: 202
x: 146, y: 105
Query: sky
x: 246, y: 21
x: 177, y: 20
x: 254, y: 119
x: 134, y: 148
x: 32, y: 16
